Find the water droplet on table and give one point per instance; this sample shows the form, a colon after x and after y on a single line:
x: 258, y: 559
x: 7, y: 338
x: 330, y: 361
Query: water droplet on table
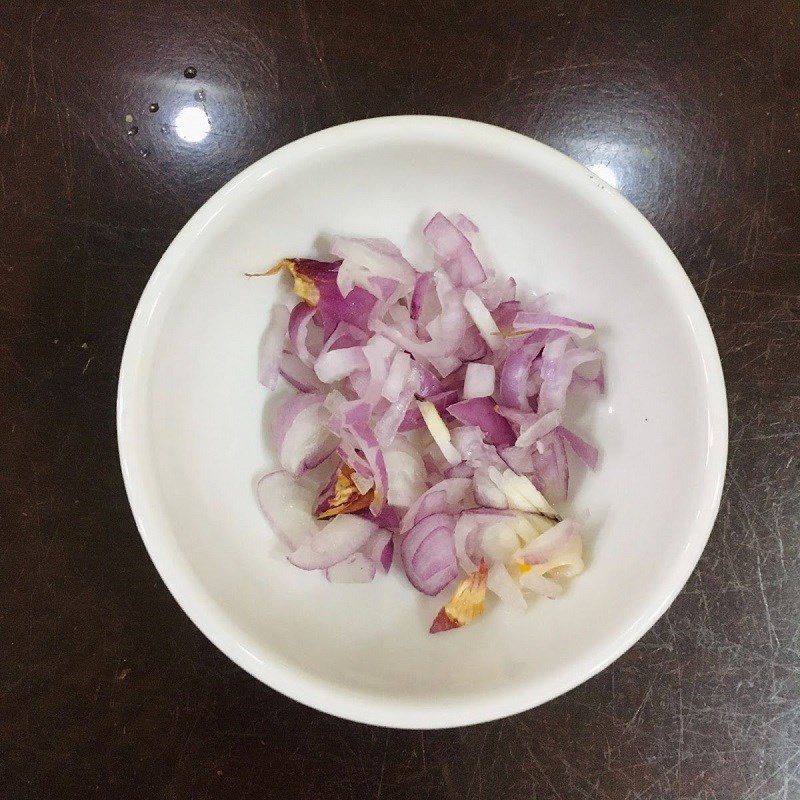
x: 132, y: 130
x: 152, y: 108
x: 200, y: 95
x: 190, y: 72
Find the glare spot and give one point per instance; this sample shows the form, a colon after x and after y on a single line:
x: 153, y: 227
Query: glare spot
x: 192, y: 124
x: 604, y: 172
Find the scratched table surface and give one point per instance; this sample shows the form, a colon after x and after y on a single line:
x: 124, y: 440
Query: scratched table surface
x: 107, y: 147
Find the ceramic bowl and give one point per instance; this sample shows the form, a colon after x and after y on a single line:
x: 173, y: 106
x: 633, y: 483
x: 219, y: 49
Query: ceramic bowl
x: 193, y: 422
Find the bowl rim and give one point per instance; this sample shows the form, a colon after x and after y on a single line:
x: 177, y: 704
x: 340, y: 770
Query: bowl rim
x: 203, y: 610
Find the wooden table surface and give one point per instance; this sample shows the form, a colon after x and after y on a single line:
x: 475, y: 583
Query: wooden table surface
x: 106, y: 689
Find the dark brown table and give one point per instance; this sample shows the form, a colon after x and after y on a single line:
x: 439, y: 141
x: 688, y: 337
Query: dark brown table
x: 107, y: 690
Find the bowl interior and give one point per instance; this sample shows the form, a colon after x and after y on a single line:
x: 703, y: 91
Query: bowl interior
x: 194, y: 422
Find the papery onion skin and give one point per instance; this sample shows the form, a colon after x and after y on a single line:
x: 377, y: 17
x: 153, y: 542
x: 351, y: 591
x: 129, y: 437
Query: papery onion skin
x: 466, y: 605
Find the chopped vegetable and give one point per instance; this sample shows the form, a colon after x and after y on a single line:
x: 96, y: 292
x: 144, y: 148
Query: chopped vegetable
x: 428, y: 554
x: 338, y: 540
x: 272, y: 351
x: 478, y: 381
x: 436, y: 399
x: 341, y: 495
x: 467, y: 603
x: 439, y: 431
x: 301, y: 434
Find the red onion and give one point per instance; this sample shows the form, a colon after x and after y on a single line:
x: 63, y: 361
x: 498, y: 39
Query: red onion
x: 443, y: 496
x: 589, y: 386
x: 337, y: 364
x: 532, y: 319
x: 387, y: 290
x: 539, y: 428
x: 287, y: 503
x: 397, y: 376
x: 454, y: 252
x: 496, y: 292
x: 423, y: 283
x: 378, y: 352
x: 429, y: 384
x: 388, y: 519
x: 272, y: 349
x: 505, y: 587
x: 469, y: 530
x: 379, y: 549
x: 580, y: 447
x: 558, y: 365
x: 406, y: 473
x: 354, y: 309
x: 560, y: 542
x: 378, y: 258
x: 550, y: 470
x: 356, y: 568
x: 516, y: 368
x: 338, y: 540
x: 322, y: 292
x: 472, y: 348
x: 298, y: 332
x: 465, y: 225
x: 440, y: 390
x: 505, y: 313
x: 445, y: 365
x: 462, y: 470
x: 344, y: 335
x: 429, y: 555
x: 483, y: 320
x: 413, y: 418
x: 470, y: 443
x: 538, y: 584
x: 357, y: 422
x: 519, y: 459
x: 450, y: 326
x: 390, y: 423
x: 417, y: 348
x: 302, y: 377
x: 481, y: 411
x: 478, y: 381
x: 301, y: 435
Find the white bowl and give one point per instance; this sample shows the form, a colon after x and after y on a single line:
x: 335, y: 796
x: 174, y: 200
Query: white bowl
x: 192, y: 422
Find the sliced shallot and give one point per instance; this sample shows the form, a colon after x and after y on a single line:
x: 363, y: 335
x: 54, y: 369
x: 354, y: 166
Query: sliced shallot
x: 478, y: 381
x: 429, y: 555
x: 301, y: 433
x: 287, y: 503
x: 443, y: 393
x: 272, y: 349
x: 338, y: 540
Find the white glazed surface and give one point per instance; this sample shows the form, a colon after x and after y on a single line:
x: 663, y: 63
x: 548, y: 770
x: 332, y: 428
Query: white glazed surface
x: 193, y: 422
